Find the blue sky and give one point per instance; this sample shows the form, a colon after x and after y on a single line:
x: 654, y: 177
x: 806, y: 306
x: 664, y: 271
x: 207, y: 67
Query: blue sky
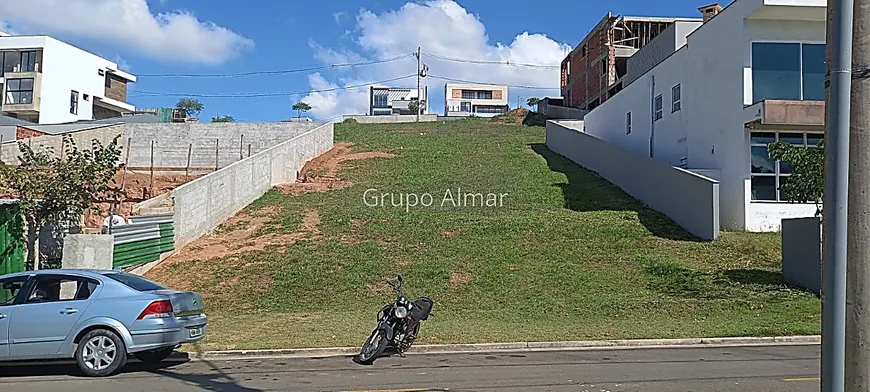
x: 230, y: 36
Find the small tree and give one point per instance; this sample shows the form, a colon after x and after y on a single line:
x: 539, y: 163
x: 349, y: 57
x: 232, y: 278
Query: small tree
x: 532, y: 102
x: 190, y: 107
x: 222, y: 119
x: 417, y: 106
x: 60, y: 188
x: 806, y: 183
x: 301, y: 107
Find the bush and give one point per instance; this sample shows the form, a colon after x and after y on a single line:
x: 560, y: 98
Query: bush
x: 350, y: 121
x: 534, y: 119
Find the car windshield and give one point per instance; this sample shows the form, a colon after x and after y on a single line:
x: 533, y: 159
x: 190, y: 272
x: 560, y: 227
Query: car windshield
x: 136, y: 282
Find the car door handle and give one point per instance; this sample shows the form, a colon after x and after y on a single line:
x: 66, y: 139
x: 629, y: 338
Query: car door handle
x: 69, y: 311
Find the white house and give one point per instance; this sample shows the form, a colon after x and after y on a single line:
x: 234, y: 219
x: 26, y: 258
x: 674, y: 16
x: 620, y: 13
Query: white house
x: 750, y: 74
x: 472, y: 99
x: 391, y: 100
x: 47, y: 81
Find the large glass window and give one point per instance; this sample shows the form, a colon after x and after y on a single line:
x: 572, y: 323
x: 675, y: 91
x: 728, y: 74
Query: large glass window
x: 10, y: 61
x: 791, y: 71
x: 28, y: 61
x: 19, y: 91
x: 475, y: 94
x: 769, y: 175
x: 381, y: 101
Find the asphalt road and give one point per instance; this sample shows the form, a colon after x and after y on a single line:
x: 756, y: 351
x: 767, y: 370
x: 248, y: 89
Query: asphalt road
x: 773, y: 369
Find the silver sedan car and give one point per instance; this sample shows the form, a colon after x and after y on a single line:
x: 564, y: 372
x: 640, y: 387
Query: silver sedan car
x: 96, y: 317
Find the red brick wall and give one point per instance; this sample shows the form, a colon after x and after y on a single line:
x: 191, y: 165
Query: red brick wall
x: 585, y: 80
x: 26, y: 133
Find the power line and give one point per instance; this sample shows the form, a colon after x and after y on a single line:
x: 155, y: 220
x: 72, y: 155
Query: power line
x: 263, y: 95
x: 490, y: 62
x: 278, y: 72
x: 509, y: 85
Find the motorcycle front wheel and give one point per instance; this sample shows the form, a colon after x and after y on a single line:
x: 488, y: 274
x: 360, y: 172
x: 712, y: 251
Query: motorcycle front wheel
x: 373, y: 347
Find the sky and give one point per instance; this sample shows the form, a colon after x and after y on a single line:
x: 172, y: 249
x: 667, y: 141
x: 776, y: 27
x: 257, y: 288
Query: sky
x: 198, y: 39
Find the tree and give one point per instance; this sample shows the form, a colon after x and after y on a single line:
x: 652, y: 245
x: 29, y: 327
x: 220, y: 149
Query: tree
x: 301, y: 107
x: 190, y: 107
x: 60, y: 188
x: 532, y: 102
x: 222, y: 119
x: 806, y: 183
x: 416, y: 106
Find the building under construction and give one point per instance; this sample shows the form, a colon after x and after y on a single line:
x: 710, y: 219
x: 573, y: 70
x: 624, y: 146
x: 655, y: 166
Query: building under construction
x: 593, y: 71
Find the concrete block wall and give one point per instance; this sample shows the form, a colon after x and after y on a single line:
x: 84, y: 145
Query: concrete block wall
x: 83, y: 140
x: 88, y: 251
x: 689, y: 199
x: 393, y: 118
x: 206, y: 202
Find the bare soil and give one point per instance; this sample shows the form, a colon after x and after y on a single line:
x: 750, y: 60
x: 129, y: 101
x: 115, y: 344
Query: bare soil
x: 457, y: 279
x: 321, y: 173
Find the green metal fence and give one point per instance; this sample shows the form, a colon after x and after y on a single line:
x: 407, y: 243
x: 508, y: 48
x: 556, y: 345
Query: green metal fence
x: 143, y: 241
x: 11, y: 239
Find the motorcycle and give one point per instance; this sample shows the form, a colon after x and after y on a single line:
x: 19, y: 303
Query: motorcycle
x: 398, y: 325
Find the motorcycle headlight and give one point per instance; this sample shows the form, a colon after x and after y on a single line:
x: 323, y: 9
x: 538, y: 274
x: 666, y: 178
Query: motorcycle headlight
x: 401, y: 312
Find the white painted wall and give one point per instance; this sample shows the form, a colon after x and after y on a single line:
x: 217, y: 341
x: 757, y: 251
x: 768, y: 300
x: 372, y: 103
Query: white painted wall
x: 714, y: 70
x: 64, y: 68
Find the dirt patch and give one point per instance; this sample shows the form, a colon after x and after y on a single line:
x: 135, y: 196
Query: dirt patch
x: 379, y: 289
x: 457, y: 279
x: 515, y: 116
x: 450, y: 233
x: 321, y: 173
x: 404, y: 262
x: 139, y: 187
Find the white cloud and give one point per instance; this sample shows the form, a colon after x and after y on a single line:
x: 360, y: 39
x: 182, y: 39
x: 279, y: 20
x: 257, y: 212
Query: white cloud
x: 338, y: 16
x: 176, y: 36
x: 440, y: 27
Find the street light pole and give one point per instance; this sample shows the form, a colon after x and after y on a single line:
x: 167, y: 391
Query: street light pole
x: 836, y: 195
x: 857, y: 374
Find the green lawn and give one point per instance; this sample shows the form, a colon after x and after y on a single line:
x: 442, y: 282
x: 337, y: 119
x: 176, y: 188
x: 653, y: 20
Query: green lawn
x: 567, y: 257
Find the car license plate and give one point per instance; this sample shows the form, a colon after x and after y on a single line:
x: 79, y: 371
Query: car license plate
x: 195, y: 332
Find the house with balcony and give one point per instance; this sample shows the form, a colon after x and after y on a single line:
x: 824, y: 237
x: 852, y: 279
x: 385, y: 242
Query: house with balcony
x: 47, y: 81
x: 392, y: 100
x: 750, y: 74
x: 473, y: 99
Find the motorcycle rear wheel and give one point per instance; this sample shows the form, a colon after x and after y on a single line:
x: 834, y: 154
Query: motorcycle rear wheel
x: 373, y: 347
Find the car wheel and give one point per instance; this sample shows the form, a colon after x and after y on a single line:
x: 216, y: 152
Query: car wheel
x: 154, y: 357
x: 101, y: 353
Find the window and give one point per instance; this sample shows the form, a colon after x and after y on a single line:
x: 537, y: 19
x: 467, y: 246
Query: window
x: 489, y: 109
x: 465, y: 107
x: 9, y: 288
x: 61, y: 288
x: 74, y: 102
x: 10, y: 61
x: 604, y: 67
x: 468, y: 94
x: 791, y: 71
x: 109, y: 81
x: 475, y: 94
x: 19, y: 91
x: 675, y: 98
x: 658, y: 107
x: 584, y: 50
x: 381, y: 101
x: 135, y: 282
x: 28, y: 61
x: 628, y: 123
x: 769, y: 175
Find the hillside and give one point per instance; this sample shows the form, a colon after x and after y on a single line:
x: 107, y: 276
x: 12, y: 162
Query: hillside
x: 564, y: 255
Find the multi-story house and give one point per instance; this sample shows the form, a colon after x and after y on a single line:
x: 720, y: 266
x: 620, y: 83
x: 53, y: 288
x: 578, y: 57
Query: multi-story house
x: 479, y: 100
x: 594, y: 70
x: 46, y: 81
x: 391, y: 100
x: 751, y: 74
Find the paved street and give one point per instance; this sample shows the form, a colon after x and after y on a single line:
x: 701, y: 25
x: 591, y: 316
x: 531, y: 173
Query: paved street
x: 773, y: 369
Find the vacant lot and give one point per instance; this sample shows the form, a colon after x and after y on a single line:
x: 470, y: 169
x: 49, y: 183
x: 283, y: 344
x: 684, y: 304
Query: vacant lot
x: 565, y: 255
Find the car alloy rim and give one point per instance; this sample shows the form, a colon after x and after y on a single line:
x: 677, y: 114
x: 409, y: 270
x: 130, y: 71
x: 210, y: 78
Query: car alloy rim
x: 99, y: 353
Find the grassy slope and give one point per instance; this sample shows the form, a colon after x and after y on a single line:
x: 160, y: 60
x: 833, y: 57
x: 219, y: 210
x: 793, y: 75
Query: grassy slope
x: 569, y: 256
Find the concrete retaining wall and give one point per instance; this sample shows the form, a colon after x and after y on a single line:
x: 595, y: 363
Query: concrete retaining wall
x: 88, y: 251
x: 393, y: 118
x: 564, y: 113
x: 689, y: 199
x: 802, y: 253
x: 234, y: 141
x: 204, y: 203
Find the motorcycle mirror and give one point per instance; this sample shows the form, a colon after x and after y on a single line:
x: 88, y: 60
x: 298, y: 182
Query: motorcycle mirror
x: 400, y: 278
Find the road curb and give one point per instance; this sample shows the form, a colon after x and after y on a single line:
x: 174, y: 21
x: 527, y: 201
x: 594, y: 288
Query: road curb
x: 514, y: 347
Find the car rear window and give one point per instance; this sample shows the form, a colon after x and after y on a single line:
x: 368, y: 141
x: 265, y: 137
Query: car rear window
x: 136, y: 282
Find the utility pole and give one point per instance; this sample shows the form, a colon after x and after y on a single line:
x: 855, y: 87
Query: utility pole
x: 857, y: 374
x: 419, y: 73
x: 836, y: 194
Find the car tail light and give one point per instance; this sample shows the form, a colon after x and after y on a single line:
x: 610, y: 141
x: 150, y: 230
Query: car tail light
x: 157, y: 309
